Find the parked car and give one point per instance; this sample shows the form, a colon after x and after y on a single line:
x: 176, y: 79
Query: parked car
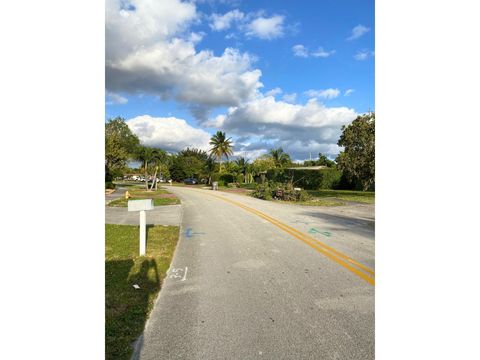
x: 190, y: 181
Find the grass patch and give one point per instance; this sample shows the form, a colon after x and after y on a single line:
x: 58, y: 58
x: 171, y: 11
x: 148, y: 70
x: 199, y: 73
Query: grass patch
x: 366, y: 197
x: 127, y: 309
x: 159, y: 198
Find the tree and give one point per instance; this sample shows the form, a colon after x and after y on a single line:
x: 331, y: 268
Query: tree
x: 159, y: 161
x: 357, y: 160
x: 200, y: 154
x: 324, y: 161
x: 145, y: 154
x: 221, y: 146
x: 242, y: 165
x: 281, y: 158
x: 120, y: 145
x: 209, y: 168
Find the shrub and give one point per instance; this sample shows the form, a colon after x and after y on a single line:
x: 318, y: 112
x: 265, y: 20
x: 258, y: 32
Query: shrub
x: 311, y: 179
x: 227, y: 178
x: 263, y: 191
x: 109, y: 185
x: 286, y: 192
x: 240, y: 179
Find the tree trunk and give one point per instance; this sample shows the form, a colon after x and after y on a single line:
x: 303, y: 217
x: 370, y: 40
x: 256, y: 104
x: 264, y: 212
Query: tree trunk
x: 146, y: 175
x: 154, y: 180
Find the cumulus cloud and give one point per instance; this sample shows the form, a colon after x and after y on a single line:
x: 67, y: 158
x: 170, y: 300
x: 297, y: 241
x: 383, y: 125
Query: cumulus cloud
x: 274, y: 91
x: 302, y: 51
x: 297, y: 128
x: 289, y: 98
x: 363, y: 54
x: 170, y: 133
x: 320, y: 52
x: 149, y: 51
x: 253, y: 24
x: 266, y: 27
x: 324, y: 94
x: 358, y: 31
x: 115, y: 99
x: 348, y: 92
x: 224, y: 22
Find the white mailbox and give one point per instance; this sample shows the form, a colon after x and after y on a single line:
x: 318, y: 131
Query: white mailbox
x: 139, y: 205
x: 142, y: 206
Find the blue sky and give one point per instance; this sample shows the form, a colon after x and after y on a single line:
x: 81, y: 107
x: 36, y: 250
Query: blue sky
x: 268, y: 73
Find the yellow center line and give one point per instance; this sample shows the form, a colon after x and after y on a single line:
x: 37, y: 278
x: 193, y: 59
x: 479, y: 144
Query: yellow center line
x: 326, y: 250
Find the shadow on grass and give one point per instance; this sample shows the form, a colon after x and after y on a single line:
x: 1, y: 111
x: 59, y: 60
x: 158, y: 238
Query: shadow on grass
x: 127, y: 308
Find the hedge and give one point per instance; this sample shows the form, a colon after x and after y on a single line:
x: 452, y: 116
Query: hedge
x: 223, y: 179
x: 311, y: 179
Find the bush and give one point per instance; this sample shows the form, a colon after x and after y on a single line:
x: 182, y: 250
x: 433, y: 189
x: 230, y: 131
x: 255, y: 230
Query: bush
x: 311, y: 179
x: 285, y: 192
x: 109, y: 185
x: 223, y: 179
x: 263, y: 191
x: 240, y: 179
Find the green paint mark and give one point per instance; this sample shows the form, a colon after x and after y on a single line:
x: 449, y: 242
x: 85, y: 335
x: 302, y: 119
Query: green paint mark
x: 316, y: 231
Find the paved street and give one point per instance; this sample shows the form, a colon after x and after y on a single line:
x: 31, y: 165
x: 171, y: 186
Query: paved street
x: 252, y: 279
x: 161, y: 215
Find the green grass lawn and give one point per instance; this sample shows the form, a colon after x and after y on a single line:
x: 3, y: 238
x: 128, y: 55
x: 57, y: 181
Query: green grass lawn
x: 366, y: 197
x: 157, y: 196
x: 127, y: 308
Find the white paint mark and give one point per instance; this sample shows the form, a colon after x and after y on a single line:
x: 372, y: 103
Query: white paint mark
x: 135, y: 286
x: 185, y: 274
x: 178, y: 273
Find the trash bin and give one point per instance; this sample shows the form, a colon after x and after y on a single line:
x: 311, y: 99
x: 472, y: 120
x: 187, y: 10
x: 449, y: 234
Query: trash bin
x: 215, y: 185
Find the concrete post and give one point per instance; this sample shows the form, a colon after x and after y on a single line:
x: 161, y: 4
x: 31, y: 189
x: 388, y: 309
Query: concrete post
x: 143, y: 232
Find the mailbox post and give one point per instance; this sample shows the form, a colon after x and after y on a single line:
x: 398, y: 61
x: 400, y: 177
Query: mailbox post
x: 142, y: 206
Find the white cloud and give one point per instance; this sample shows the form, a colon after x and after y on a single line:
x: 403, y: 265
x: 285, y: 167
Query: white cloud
x: 170, y: 134
x: 224, y: 22
x: 289, y: 98
x: 115, y: 99
x: 266, y: 27
x: 300, y: 50
x: 273, y: 92
x: 297, y: 128
x: 149, y: 51
x: 348, y: 92
x: 320, y: 52
x: 325, y: 94
x: 363, y: 54
x: 358, y: 31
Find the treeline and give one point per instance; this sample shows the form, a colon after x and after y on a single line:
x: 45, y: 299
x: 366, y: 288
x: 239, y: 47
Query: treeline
x: 353, y: 168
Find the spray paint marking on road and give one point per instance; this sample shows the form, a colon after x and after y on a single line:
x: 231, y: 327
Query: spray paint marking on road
x: 189, y: 233
x: 347, y: 262
x: 316, y: 231
x: 178, y: 273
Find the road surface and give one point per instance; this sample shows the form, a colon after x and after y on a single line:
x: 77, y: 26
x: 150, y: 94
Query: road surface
x: 252, y: 279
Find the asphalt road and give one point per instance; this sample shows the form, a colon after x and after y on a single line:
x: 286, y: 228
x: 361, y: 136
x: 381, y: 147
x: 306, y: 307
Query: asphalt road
x: 252, y: 279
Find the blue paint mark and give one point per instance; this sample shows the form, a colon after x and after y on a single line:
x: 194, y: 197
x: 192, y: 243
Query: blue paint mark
x: 189, y: 233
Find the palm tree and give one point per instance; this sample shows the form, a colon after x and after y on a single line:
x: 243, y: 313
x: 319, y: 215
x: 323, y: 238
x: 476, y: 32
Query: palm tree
x: 280, y: 157
x: 145, y: 155
x: 242, y: 166
x: 221, y: 146
x: 158, y: 158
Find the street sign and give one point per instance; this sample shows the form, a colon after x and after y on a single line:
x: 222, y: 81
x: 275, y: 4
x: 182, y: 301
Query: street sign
x: 142, y: 206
